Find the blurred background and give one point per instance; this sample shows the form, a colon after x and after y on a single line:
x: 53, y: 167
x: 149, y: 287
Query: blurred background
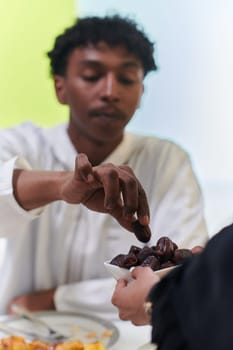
x: 189, y: 99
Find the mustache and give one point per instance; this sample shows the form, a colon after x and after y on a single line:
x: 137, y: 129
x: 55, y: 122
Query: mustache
x: 108, y: 110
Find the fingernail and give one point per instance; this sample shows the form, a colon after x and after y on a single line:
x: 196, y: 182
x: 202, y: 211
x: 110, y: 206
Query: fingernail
x: 144, y: 220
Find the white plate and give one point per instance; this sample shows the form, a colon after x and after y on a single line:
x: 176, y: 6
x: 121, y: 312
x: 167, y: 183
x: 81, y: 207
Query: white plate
x: 76, y: 326
x: 119, y: 272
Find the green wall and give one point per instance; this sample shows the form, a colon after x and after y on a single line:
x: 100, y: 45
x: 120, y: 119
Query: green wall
x: 27, y: 31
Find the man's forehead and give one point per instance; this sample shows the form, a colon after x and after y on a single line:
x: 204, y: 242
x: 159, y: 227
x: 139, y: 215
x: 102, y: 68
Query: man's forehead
x: 102, y: 50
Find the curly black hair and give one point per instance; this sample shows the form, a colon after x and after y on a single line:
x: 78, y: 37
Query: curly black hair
x: 113, y: 30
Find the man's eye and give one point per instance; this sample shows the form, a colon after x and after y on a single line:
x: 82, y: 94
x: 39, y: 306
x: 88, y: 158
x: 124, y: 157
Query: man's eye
x: 126, y: 81
x: 91, y: 78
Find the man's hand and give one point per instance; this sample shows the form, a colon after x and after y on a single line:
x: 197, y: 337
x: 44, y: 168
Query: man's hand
x: 108, y: 189
x: 37, y: 301
x: 129, y: 297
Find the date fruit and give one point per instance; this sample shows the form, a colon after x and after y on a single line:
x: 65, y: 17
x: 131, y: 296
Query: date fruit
x: 164, y: 254
x: 142, y: 233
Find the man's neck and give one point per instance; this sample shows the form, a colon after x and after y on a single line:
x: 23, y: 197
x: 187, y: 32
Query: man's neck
x: 96, y: 151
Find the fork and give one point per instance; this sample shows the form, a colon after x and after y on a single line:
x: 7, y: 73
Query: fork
x: 52, y: 332
x: 4, y: 327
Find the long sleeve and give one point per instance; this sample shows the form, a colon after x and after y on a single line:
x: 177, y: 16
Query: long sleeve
x: 9, y: 208
x: 193, y: 306
x: 20, y: 148
x: 88, y: 297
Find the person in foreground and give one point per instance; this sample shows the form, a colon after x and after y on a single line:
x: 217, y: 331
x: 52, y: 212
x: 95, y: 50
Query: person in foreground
x: 55, y: 250
x: 191, y: 307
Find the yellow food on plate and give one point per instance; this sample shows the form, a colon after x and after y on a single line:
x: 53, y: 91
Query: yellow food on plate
x: 70, y: 345
x: 94, y: 346
x: 13, y: 343
x: 19, y: 343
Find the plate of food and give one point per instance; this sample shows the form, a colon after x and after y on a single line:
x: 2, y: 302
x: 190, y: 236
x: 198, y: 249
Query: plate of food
x: 14, y: 342
x: 162, y: 257
x: 73, y: 326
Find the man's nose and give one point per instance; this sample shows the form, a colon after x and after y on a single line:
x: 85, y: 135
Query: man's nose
x: 110, y: 90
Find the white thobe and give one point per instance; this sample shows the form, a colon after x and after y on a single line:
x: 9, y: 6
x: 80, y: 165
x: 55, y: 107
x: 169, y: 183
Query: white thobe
x: 64, y: 245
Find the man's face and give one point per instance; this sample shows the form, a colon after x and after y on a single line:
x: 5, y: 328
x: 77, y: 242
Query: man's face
x: 102, y: 86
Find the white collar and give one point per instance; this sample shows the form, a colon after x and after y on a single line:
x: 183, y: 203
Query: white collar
x: 65, y: 151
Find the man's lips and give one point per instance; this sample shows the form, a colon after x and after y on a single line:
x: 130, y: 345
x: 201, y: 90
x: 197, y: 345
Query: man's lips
x: 109, y: 112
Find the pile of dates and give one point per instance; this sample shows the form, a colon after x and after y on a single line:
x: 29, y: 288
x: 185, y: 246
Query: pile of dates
x: 164, y: 254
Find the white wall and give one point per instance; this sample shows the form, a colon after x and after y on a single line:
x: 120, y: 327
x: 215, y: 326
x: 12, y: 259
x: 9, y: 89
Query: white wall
x: 190, y: 98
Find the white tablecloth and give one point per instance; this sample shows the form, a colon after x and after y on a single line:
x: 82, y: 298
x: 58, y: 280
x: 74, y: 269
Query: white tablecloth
x: 131, y: 337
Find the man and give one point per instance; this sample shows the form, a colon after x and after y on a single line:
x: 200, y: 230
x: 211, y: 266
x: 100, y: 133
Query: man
x: 98, y: 66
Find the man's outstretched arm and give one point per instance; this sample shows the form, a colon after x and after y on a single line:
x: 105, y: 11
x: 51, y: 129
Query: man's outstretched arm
x: 105, y: 188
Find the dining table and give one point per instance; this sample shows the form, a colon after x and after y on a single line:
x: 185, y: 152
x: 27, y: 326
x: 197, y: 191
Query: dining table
x: 131, y: 337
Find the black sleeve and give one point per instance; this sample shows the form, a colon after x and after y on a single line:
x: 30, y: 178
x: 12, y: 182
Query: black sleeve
x: 193, y: 305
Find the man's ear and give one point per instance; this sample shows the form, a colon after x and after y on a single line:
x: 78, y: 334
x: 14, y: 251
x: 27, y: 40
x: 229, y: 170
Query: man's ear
x: 60, y: 89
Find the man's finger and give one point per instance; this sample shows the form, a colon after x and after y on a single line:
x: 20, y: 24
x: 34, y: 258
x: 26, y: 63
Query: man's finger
x: 109, y: 178
x: 83, y: 168
x: 134, y: 196
x: 143, y: 211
